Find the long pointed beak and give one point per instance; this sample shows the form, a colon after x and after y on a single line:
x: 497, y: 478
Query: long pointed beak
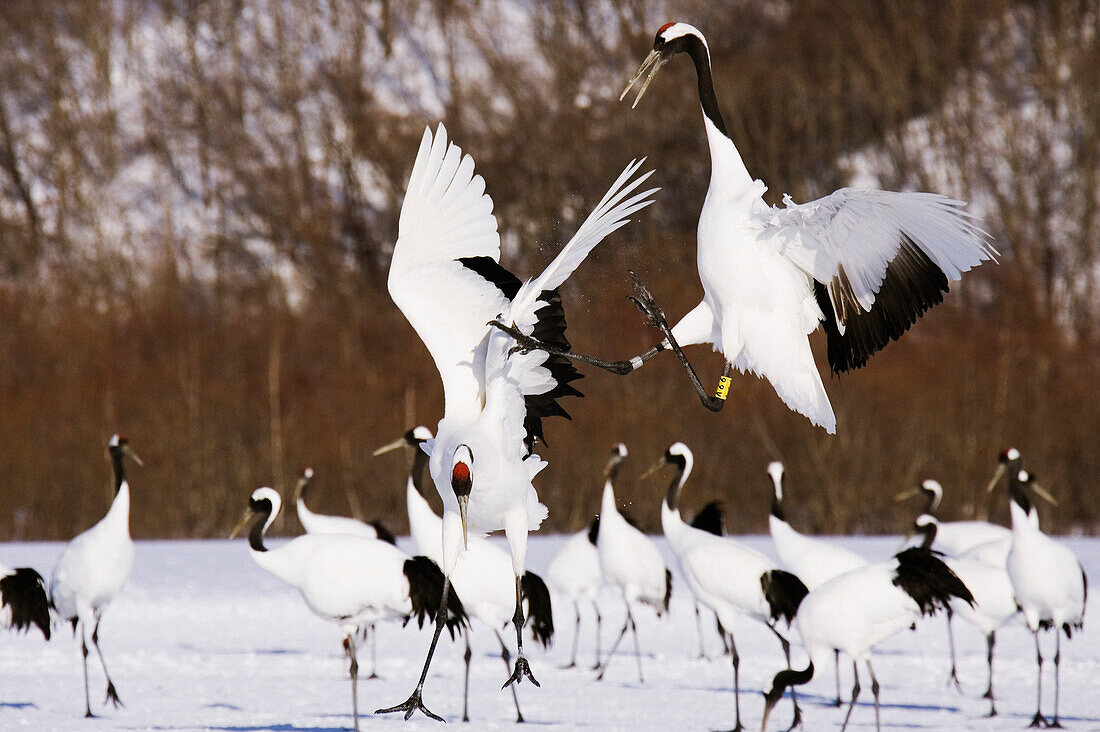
x: 463, y: 503
x: 132, y: 455
x: 1043, y: 493
x: 652, y: 60
x: 240, y: 524
x: 768, y: 706
x: 400, y: 442
x: 654, y: 469
x: 997, y: 475
x: 906, y: 495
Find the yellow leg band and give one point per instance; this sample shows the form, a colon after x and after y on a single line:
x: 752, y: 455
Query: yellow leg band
x: 723, y: 388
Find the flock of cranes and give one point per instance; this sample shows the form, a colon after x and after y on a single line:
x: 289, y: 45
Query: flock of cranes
x: 864, y: 265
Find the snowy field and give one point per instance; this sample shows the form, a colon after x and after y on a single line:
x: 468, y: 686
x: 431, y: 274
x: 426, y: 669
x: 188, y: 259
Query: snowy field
x: 202, y: 639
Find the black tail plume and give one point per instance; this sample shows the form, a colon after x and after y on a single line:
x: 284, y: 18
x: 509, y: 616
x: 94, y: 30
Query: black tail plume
x: 931, y: 583
x: 784, y: 592
x: 384, y: 534
x: 24, y: 593
x: 426, y: 592
x: 668, y: 589
x: 710, y: 518
x: 540, y: 613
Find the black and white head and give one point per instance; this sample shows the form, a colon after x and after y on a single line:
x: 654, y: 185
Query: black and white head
x: 119, y: 447
x: 775, y: 470
x: 416, y: 437
x: 462, y: 483
x: 1008, y: 461
x: 263, y: 507
x: 671, y: 39
x: 679, y: 456
x: 614, y: 463
x: 934, y: 491
x: 926, y: 525
x: 305, y: 480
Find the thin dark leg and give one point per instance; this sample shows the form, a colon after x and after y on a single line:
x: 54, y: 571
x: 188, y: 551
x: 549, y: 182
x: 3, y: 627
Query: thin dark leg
x: 836, y: 657
x: 645, y: 302
x: 599, y: 620
x: 84, y: 655
x: 989, y: 641
x: 637, y: 650
x: 522, y: 667
x: 786, y: 646
x: 1057, y: 674
x: 414, y: 702
x: 736, y: 683
x: 576, y: 635
x: 525, y: 343
x: 112, y: 695
x: 699, y: 627
x: 874, y: 691
x: 722, y: 635
x: 353, y: 669
x: 614, y: 647
x: 953, y: 678
x: 506, y: 655
x: 1038, y: 720
x: 855, y: 695
x: 373, y: 652
x: 466, y: 685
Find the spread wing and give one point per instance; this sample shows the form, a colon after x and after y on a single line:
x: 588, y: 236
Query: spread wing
x: 444, y: 274
x: 524, y: 387
x: 880, y: 259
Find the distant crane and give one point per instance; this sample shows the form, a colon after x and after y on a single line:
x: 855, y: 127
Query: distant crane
x: 630, y: 561
x: 955, y: 537
x: 813, y: 560
x: 319, y: 523
x: 859, y: 609
x: 446, y: 278
x: 349, y: 580
x: 994, y: 601
x: 728, y: 577
x: 23, y: 600
x: 95, y: 565
x: 482, y: 577
x: 864, y: 263
x: 1049, y: 583
x: 575, y: 572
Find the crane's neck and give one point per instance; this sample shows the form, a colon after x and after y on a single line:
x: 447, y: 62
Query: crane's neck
x: 727, y: 167
x: 119, y: 465
x: 778, y: 510
x: 683, y: 471
x: 928, y: 529
x: 418, y: 470
x: 256, y: 533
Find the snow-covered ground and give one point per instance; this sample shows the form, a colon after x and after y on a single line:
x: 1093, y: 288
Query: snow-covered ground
x: 202, y: 638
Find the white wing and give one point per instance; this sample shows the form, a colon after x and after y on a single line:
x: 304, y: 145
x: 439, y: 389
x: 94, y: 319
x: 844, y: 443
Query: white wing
x: 883, y: 257
x: 446, y: 215
x: 511, y: 377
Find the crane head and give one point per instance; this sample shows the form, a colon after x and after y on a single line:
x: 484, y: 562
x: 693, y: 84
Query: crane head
x: 462, y: 482
x: 671, y: 39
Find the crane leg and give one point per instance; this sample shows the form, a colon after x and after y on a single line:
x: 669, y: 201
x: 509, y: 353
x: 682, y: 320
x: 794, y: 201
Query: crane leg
x: 112, y: 695
x: 353, y: 670
x: 855, y: 695
x: 507, y: 658
x: 522, y: 667
x: 953, y: 677
x: 637, y: 649
x: 786, y: 646
x: 466, y: 685
x: 874, y: 692
x: 836, y: 658
x: 1038, y: 720
x: 373, y: 652
x: 989, y: 641
x: 599, y: 620
x: 614, y: 647
x: 84, y: 654
x: 414, y: 702
x: 1057, y: 674
x: 576, y: 635
x: 736, y: 683
x: 699, y: 627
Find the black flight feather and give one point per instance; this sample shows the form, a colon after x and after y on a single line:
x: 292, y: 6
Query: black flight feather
x: 784, y: 593
x: 540, y: 615
x: 24, y: 593
x: 384, y: 534
x: 924, y: 577
x: 426, y: 592
x: 710, y: 518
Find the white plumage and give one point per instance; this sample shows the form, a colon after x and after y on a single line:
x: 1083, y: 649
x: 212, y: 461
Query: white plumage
x: 482, y: 577
x: 855, y: 611
x: 629, y: 560
x: 1048, y: 581
x: 352, y: 581
x: 726, y: 576
x: 446, y: 279
x: 95, y: 566
x: 867, y: 263
x: 319, y: 523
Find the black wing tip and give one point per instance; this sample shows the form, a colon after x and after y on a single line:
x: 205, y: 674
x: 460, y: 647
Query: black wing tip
x: 925, y: 577
x: 23, y: 592
x: 784, y: 592
x: 540, y: 611
x: 711, y: 518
